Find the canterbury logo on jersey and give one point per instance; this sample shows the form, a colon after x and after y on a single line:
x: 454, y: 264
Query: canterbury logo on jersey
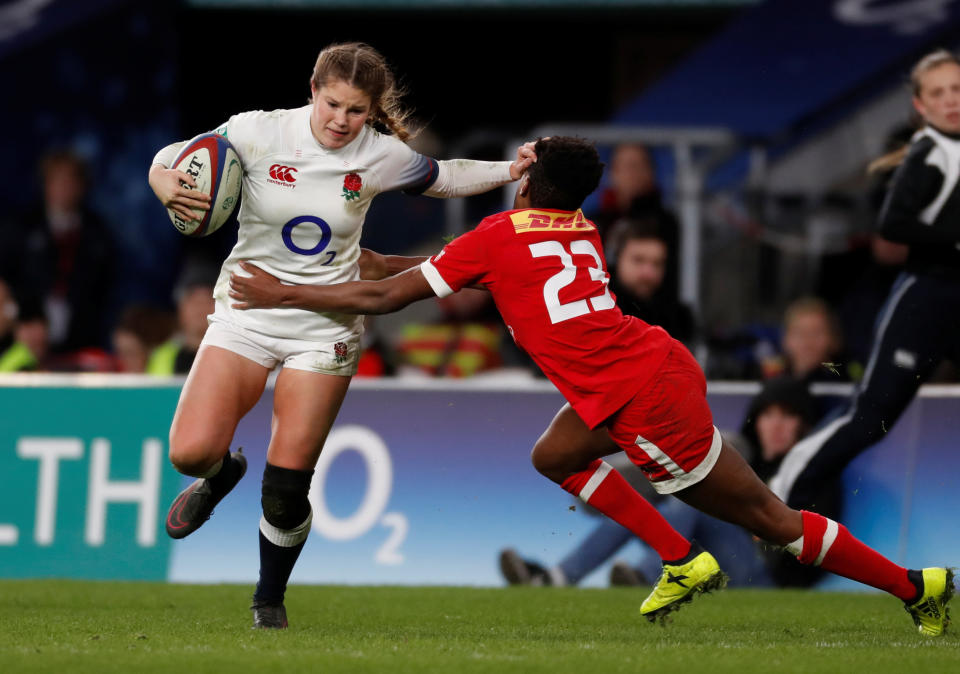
x: 538, y: 221
x: 282, y: 175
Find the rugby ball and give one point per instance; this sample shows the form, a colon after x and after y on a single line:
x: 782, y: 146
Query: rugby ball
x: 215, y: 166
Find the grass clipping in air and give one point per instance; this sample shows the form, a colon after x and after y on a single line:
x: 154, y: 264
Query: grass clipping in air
x: 48, y: 626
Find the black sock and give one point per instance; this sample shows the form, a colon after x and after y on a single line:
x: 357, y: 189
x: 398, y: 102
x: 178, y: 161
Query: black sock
x: 695, y: 549
x: 915, y: 577
x: 226, y: 477
x: 276, y: 564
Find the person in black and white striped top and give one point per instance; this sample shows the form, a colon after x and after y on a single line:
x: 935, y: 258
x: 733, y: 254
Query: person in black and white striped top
x: 920, y: 323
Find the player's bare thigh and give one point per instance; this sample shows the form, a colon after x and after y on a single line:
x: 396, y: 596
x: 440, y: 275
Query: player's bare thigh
x: 305, y: 405
x: 731, y: 491
x: 222, y: 387
x: 568, y: 446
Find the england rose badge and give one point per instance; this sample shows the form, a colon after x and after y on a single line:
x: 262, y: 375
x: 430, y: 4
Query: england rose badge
x: 351, y: 186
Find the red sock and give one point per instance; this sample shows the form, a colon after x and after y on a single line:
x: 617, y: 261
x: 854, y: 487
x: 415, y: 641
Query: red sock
x: 605, y: 489
x: 832, y: 547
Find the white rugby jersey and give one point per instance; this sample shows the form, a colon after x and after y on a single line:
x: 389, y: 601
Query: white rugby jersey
x: 303, y: 209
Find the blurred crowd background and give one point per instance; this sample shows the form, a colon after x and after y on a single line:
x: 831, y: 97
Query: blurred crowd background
x: 736, y: 209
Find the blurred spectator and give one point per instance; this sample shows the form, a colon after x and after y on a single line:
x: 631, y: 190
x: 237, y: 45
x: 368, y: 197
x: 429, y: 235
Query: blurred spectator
x: 465, y: 342
x: 60, y: 256
x: 374, y: 356
x: 25, y: 350
x: 194, y: 297
x: 811, y: 345
x: 14, y: 356
x: 778, y: 417
x: 639, y: 266
x: 634, y: 192
x: 8, y: 315
x: 141, y: 329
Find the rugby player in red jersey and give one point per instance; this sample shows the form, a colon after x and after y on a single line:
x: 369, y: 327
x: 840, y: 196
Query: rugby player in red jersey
x: 624, y: 381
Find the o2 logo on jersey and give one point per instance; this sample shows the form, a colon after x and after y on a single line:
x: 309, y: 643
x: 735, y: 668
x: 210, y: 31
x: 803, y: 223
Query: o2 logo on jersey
x: 325, y: 235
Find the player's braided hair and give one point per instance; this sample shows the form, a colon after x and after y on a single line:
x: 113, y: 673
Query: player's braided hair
x: 363, y: 67
x: 567, y: 170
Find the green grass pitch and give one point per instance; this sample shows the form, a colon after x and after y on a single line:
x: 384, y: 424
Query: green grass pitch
x: 65, y: 626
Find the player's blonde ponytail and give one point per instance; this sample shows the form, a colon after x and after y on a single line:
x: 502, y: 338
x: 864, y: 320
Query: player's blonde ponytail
x: 889, y: 161
x: 363, y: 67
x: 934, y: 59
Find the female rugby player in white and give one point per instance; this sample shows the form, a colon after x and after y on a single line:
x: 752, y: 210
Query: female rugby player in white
x: 309, y: 177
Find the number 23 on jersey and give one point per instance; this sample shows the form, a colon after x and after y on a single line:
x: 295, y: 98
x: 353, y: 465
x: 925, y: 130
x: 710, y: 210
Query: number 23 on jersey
x: 564, y: 311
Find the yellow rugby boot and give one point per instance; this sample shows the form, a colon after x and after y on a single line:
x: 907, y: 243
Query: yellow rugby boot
x: 930, y: 613
x: 680, y: 582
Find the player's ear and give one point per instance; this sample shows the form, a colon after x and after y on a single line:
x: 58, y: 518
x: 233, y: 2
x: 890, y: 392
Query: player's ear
x: 919, y: 106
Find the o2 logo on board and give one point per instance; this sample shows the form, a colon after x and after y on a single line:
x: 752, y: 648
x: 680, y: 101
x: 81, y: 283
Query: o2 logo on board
x: 379, y: 469
x: 308, y: 226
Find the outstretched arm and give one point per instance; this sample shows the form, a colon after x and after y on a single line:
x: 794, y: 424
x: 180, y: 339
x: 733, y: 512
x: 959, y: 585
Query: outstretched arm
x: 374, y: 266
x: 263, y: 290
x: 465, y: 177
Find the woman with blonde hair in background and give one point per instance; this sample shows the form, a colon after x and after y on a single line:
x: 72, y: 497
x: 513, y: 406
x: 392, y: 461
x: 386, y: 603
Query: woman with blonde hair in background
x: 920, y: 323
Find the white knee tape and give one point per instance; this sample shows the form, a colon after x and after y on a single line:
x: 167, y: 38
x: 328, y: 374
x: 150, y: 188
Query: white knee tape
x: 286, y: 538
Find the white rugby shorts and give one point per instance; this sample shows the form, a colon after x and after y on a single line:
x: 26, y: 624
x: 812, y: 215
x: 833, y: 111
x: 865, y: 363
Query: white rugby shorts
x: 337, y: 358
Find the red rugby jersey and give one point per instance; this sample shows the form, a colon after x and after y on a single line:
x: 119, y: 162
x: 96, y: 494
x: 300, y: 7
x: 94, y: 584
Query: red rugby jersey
x: 546, y: 272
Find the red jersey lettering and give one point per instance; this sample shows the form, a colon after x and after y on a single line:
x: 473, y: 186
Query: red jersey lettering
x: 546, y: 273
